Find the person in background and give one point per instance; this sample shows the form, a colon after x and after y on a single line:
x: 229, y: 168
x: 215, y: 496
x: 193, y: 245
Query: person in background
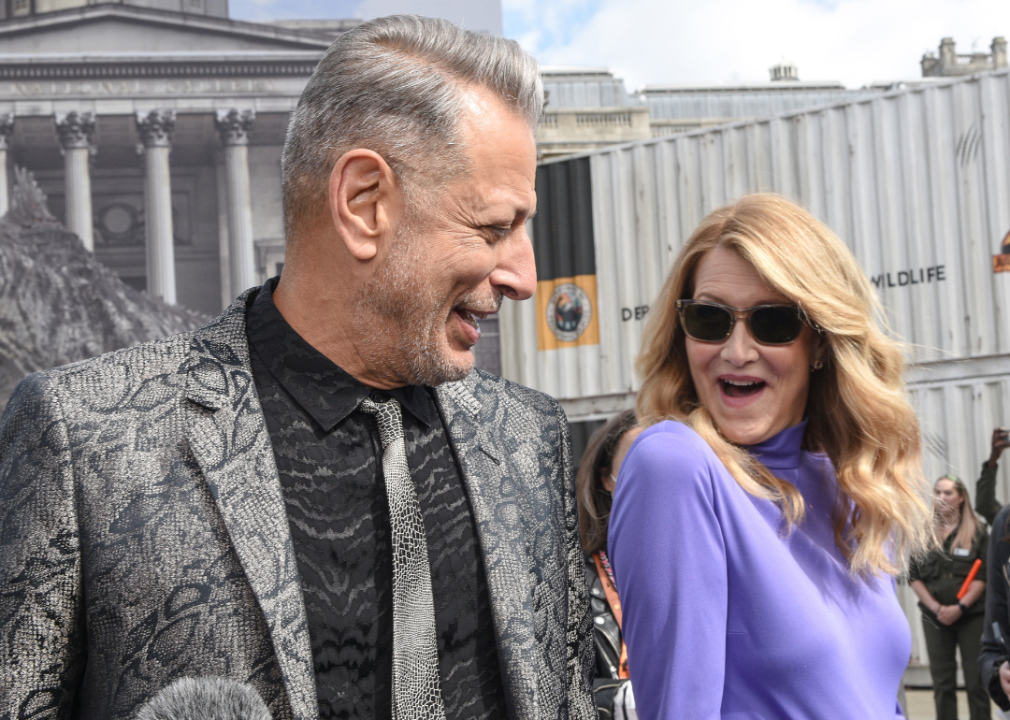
x: 986, y: 504
x: 760, y: 518
x: 949, y: 622
x: 994, y: 659
x: 594, y: 485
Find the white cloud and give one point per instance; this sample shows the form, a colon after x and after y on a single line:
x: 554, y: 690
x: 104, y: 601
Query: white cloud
x: 715, y: 41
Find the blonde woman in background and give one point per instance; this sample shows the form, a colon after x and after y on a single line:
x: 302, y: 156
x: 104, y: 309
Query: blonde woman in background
x: 760, y: 519
x: 949, y: 622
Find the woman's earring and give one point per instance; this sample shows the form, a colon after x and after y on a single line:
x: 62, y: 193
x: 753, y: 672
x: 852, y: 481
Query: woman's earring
x: 818, y: 364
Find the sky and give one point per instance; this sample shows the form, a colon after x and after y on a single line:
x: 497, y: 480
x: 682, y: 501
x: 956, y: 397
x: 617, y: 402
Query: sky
x: 724, y: 41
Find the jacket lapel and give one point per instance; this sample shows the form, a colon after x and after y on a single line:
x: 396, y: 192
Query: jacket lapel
x: 229, y: 440
x: 492, y: 486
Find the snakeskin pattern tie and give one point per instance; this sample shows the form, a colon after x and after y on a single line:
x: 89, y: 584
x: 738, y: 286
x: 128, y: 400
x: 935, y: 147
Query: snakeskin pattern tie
x: 417, y: 694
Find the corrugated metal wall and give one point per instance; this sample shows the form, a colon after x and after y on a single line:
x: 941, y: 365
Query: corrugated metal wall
x: 916, y: 181
x: 957, y: 418
x: 957, y: 415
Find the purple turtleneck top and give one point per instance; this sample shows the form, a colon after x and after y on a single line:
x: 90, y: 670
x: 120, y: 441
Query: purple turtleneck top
x: 725, y: 616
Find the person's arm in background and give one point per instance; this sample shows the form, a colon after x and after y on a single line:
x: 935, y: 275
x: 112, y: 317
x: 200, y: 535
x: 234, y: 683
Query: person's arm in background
x: 918, y: 586
x: 950, y: 614
x: 925, y: 596
x: 986, y: 504
x: 994, y: 655
x: 946, y: 614
x: 975, y: 591
x: 669, y: 558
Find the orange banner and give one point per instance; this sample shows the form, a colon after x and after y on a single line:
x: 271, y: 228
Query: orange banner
x: 567, y: 312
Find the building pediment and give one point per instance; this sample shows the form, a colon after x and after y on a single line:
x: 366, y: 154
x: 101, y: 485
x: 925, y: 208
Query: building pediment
x: 105, y: 29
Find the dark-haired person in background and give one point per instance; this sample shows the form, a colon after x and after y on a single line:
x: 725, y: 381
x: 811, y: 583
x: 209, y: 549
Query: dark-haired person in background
x: 594, y: 487
x: 993, y: 664
x: 986, y: 504
x: 948, y: 622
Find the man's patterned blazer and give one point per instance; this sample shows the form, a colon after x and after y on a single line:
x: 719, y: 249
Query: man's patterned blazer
x: 143, y: 536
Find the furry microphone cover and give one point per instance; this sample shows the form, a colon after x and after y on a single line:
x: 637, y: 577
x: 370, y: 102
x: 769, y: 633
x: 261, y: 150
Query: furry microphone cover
x: 205, y: 698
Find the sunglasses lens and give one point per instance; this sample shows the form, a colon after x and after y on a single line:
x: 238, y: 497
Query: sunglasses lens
x: 706, y: 322
x: 775, y: 325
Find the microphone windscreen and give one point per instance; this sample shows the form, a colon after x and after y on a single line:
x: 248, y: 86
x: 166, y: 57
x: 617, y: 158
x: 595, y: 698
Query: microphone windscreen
x: 205, y: 698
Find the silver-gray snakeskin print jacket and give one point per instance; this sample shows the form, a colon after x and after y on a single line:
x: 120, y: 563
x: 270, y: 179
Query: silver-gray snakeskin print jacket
x: 143, y: 536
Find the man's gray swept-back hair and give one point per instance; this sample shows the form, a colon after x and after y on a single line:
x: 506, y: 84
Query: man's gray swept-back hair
x: 395, y: 86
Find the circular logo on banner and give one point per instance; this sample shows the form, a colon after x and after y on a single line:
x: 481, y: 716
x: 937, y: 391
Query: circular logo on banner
x: 569, y: 312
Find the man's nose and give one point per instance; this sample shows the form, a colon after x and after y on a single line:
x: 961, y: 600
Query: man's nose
x: 740, y: 348
x: 515, y: 272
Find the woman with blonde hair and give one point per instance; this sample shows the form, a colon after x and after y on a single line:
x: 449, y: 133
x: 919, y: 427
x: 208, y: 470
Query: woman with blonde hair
x: 949, y: 621
x: 760, y: 519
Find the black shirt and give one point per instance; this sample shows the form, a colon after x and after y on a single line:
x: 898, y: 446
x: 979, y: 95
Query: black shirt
x: 329, y: 459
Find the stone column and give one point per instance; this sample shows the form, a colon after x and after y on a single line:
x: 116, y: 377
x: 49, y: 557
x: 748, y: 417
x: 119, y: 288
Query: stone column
x: 75, y: 130
x: 223, y: 237
x: 234, y: 126
x: 6, y: 130
x: 155, y: 128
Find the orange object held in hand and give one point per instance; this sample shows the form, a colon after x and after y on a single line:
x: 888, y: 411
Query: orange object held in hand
x: 967, y: 581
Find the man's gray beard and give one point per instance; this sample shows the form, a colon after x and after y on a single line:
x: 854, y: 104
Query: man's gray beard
x: 412, y: 311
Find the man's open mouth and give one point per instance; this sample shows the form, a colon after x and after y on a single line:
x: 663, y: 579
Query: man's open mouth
x: 472, y: 317
x: 741, y: 388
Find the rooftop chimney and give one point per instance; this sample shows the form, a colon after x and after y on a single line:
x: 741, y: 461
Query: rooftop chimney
x: 784, y: 72
x: 999, y: 57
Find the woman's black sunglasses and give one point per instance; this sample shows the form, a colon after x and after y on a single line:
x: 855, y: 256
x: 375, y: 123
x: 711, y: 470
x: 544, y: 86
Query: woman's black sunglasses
x: 768, y: 324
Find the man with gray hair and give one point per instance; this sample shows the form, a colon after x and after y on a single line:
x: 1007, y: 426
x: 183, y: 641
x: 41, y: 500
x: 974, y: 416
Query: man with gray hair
x: 316, y: 495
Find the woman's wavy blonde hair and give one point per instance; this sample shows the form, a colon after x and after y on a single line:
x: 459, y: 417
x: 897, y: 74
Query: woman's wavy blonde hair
x: 858, y: 413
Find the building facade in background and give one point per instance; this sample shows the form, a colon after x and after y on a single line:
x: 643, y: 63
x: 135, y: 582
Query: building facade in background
x: 947, y: 63
x: 27, y: 8
x: 482, y: 16
x: 587, y: 108
x: 156, y: 126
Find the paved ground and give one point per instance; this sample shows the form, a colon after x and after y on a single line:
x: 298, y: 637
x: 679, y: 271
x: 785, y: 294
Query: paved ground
x: 920, y: 706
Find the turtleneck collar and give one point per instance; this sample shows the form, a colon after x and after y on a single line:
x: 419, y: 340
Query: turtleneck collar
x: 782, y: 451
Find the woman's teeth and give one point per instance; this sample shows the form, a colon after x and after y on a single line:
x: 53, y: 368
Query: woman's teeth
x: 741, y: 388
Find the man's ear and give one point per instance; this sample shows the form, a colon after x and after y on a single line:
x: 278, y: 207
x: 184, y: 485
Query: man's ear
x: 365, y: 202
